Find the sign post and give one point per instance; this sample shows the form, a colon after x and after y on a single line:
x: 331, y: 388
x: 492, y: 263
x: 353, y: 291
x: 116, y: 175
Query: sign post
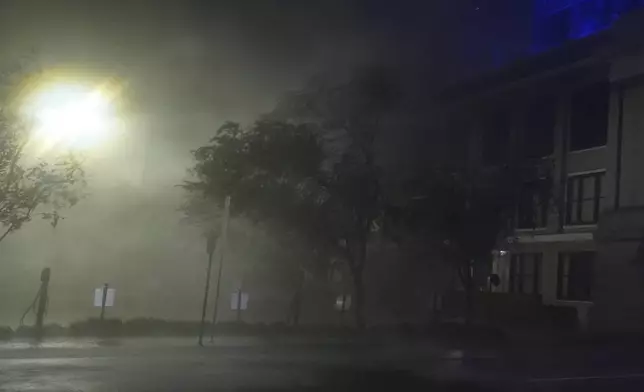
x: 104, y: 297
x: 210, y: 249
x: 103, y: 300
x: 42, y: 301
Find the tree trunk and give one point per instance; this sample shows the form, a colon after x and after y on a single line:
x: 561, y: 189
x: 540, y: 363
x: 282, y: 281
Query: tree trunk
x: 465, y: 275
x: 295, y: 308
x: 356, y: 258
x: 469, y: 305
x: 357, y: 272
x: 359, y: 299
x: 6, y: 233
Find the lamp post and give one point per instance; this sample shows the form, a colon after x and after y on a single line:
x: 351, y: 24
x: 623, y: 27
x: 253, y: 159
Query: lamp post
x: 210, y: 250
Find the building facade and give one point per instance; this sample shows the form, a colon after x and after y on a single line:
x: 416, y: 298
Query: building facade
x: 576, y: 114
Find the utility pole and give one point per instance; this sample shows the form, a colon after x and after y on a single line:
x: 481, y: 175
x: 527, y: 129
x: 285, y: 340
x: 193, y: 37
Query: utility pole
x: 42, y: 302
x: 224, y: 246
x: 211, y: 250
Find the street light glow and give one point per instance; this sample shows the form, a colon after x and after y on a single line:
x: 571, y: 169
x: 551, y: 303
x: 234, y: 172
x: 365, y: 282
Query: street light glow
x: 71, y: 116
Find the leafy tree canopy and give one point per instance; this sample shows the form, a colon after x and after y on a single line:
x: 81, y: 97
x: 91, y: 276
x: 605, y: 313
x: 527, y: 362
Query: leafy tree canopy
x: 29, y: 185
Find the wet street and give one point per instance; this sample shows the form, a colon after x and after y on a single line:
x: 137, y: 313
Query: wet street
x: 248, y: 364
x: 175, y: 365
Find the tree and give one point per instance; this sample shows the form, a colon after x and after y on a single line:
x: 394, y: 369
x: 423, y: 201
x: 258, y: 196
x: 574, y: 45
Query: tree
x: 43, y: 189
x: 272, y: 172
x: 310, y: 167
x: 30, y: 186
x: 349, y: 116
x: 466, y: 215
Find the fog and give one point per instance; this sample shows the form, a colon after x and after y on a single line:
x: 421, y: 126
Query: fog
x: 188, y: 69
x: 189, y: 66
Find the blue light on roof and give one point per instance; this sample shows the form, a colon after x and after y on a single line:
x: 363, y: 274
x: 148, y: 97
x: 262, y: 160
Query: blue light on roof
x: 558, y: 21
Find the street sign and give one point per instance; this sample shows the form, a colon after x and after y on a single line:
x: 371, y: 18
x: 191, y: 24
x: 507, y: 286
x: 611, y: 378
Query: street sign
x: 109, y: 298
x: 234, y: 299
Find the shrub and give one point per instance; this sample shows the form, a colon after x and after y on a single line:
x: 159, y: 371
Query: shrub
x: 96, y: 327
x: 49, y: 330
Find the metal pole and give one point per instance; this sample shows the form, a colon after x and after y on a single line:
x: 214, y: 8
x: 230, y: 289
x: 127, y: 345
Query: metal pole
x: 216, y: 308
x: 240, y: 292
x: 103, y: 301
x: 224, y: 246
x: 205, y: 297
x: 239, y: 301
x: 42, y: 302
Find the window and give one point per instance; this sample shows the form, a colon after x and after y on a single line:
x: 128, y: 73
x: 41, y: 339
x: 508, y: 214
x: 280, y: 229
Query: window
x: 533, y: 205
x: 525, y: 273
x: 574, y: 276
x: 496, y: 137
x: 589, y: 117
x: 539, y: 128
x: 583, y: 198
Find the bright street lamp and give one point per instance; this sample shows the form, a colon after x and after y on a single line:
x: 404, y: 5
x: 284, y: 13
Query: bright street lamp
x: 70, y: 116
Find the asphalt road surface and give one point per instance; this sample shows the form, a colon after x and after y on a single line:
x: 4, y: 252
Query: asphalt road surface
x: 257, y: 365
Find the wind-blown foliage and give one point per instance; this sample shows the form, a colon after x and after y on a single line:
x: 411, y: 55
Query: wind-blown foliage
x: 350, y: 116
x: 464, y: 215
x: 29, y: 186
x: 272, y: 171
x: 310, y: 168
